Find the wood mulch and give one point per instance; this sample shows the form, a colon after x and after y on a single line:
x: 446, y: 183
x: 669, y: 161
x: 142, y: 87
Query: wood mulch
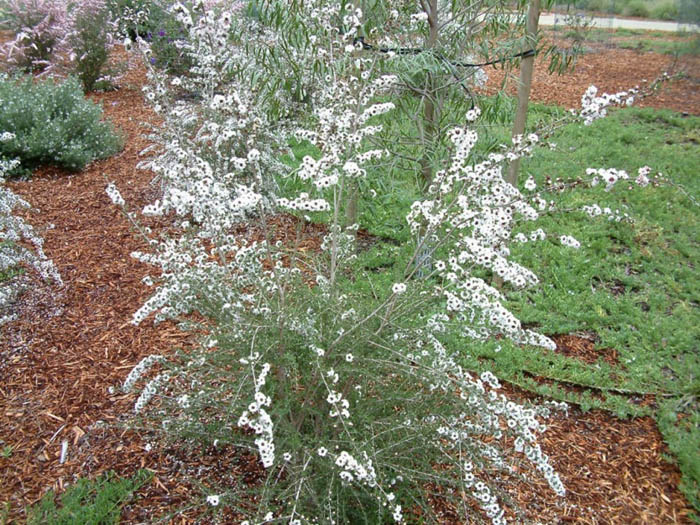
x: 59, y: 361
x: 611, y: 71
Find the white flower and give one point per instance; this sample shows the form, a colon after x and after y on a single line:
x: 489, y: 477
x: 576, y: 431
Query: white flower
x: 398, y: 288
x: 322, y: 452
x: 114, y: 195
x: 473, y: 114
x: 567, y: 240
x: 213, y: 500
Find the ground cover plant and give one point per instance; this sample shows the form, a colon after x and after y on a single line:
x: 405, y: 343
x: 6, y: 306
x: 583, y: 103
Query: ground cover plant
x: 683, y: 11
x: 88, y: 502
x: 615, y: 286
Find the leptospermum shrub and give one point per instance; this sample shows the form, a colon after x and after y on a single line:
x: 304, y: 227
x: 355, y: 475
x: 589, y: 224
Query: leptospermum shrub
x: 131, y: 16
x: 88, y: 43
x: 351, y: 396
x: 218, y: 154
x: 15, y: 235
x: 53, y: 123
x: 39, y: 26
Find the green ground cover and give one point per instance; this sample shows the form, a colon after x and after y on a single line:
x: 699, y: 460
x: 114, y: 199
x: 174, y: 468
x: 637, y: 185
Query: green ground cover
x: 88, y: 502
x: 643, y: 41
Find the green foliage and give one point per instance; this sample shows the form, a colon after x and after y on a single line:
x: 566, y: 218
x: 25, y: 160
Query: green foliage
x: 637, y: 8
x: 679, y: 421
x: 90, y: 42
x: 54, y: 124
x: 97, y: 502
x: 634, y: 285
x: 665, y: 11
x: 9, y: 273
x: 164, y: 32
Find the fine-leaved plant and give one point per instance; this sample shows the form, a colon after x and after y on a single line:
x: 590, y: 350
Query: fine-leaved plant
x: 52, y: 123
x: 39, y: 26
x: 15, y: 237
x: 350, y: 395
x: 88, y: 43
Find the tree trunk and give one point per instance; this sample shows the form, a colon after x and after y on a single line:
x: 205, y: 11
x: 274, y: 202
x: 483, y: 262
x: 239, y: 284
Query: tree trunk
x: 526, y: 67
x: 429, y: 109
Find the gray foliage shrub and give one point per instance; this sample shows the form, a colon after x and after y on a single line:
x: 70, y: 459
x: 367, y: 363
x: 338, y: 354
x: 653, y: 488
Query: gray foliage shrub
x: 53, y: 123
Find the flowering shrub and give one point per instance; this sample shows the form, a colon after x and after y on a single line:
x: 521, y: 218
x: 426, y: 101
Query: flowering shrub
x: 347, y: 386
x: 52, y: 123
x: 13, y: 232
x: 131, y: 16
x: 88, y: 43
x: 351, y: 395
x: 165, y: 33
x: 217, y: 161
x: 39, y: 26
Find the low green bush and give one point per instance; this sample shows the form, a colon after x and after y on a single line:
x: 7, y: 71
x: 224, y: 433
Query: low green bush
x: 52, y: 123
x: 637, y: 8
x: 88, y: 502
x: 665, y: 11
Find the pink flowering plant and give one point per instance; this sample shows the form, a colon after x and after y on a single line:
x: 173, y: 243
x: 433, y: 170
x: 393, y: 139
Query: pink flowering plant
x: 39, y: 26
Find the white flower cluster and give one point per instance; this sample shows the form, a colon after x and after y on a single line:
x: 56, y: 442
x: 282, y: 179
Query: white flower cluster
x: 257, y: 418
x: 609, y: 176
x: 139, y: 370
x: 475, y: 207
x: 150, y: 390
x: 303, y: 203
x: 594, y: 210
x: 13, y: 231
x: 215, y: 163
x: 594, y: 107
x: 353, y: 470
x: 642, y: 179
x: 568, y: 240
x: 114, y: 195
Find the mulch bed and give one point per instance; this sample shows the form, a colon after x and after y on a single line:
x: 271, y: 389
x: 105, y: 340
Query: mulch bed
x: 69, y: 346
x: 611, y: 71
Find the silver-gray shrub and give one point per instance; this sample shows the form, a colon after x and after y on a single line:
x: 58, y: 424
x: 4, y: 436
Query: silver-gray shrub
x: 216, y: 151
x: 53, y: 123
x: 352, y: 397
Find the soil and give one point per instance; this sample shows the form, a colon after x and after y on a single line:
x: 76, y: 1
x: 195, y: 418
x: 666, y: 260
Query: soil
x: 62, y: 361
x: 611, y: 70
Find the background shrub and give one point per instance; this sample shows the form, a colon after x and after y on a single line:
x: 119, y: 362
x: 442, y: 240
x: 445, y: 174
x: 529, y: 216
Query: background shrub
x: 39, y: 26
x: 132, y: 17
x: 665, y: 11
x: 89, y: 42
x: 637, y: 8
x: 164, y: 35
x: 53, y: 123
